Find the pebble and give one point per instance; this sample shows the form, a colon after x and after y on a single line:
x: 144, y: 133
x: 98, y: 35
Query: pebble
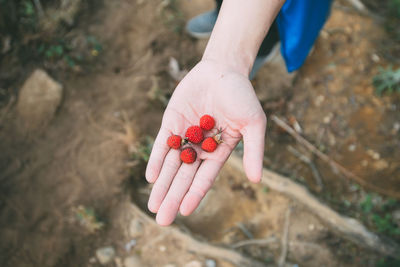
x: 381, y: 165
x: 135, y: 228
x: 130, y: 245
x: 211, y: 263
x: 352, y: 147
x: 373, y: 154
x: 375, y: 58
x: 162, y: 248
x: 396, y: 217
x: 105, y: 254
x: 319, y: 99
x: 311, y: 227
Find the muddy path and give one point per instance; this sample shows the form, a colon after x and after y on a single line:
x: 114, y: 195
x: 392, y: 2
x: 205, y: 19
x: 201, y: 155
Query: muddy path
x: 92, y: 154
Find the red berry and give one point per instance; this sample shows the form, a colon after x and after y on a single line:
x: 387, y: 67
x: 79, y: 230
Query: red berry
x: 209, y: 144
x: 194, y: 134
x: 207, y: 122
x: 174, y: 141
x: 188, y: 155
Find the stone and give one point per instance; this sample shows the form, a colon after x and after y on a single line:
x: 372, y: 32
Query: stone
x: 211, y: 263
x: 38, y: 99
x: 105, y: 254
x: 135, y: 228
x: 380, y: 165
x: 133, y: 261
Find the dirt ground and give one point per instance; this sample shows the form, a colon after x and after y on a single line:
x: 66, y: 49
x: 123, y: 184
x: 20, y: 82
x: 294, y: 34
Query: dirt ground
x: 92, y: 154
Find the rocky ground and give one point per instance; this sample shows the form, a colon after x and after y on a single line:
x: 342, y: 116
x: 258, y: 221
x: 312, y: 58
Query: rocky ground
x: 75, y: 137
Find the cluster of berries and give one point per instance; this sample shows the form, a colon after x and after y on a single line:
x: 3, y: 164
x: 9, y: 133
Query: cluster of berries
x: 195, y: 135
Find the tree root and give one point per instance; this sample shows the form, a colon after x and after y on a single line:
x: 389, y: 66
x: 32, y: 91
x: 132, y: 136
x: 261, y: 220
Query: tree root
x: 189, y: 243
x: 346, y: 227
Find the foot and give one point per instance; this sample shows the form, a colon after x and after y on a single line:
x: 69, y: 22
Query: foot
x: 202, y: 25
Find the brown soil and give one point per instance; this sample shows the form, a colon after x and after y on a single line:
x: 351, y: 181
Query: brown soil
x: 85, y: 155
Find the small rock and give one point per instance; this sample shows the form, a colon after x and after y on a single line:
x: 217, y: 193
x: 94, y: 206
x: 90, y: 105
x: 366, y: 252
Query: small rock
x: 375, y: 58
x: 352, y: 147
x: 193, y: 264
x: 135, y: 228
x: 92, y: 260
x: 211, y: 263
x: 327, y: 119
x: 162, y: 248
x: 130, y: 245
x: 319, y: 99
x: 375, y: 155
x: 133, y: 261
x: 105, y: 254
x: 381, y: 165
x: 364, y: 163
x: 311, y: 227
x: 38, y: 99
x: 396, y: 128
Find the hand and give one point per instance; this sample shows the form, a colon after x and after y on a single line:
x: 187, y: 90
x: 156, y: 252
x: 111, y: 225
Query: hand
x: 228, y: 96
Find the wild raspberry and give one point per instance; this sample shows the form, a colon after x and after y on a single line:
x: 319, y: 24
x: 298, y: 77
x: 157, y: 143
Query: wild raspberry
x: 209, y: 144
x: 174, y: 141
x: 188, y: 155
x: 207, y: 122
x: 194, y: 134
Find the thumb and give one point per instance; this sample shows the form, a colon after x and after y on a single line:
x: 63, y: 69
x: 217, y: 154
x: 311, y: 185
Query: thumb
x: 253, y: 138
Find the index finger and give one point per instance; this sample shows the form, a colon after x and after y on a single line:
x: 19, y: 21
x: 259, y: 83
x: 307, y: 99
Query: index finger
x: 157, y: 156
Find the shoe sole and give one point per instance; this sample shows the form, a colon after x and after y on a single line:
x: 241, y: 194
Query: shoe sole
x: 198, y: 35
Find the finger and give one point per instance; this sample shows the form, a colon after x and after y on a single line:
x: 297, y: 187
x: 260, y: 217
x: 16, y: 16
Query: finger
x: 160, y: 149
x: 253, y: 139
x: 202, y: 182
x: 182, y: 181
x: 169, y: 169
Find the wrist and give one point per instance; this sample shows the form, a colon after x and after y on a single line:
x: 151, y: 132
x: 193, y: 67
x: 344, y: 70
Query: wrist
x: 238, y: 60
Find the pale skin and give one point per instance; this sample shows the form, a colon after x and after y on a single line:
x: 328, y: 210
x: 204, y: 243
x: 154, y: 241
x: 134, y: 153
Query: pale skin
x: 219, y: 86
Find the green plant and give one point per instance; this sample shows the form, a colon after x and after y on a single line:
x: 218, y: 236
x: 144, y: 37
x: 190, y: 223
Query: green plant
x: 385, y: 224
x: 88, y: 218
x: 27, y: 8
x: 367, y: 205
x: 394, y: 7
x: 388, y: 262
x: 387, y: 80
x: 144, y: 149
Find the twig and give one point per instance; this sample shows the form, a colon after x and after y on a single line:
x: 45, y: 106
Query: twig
x: 308, y: 161
x: 245, y: 231
x: 334, y: 165
x: 358, y: 5
x: 39, y: 8
x: 284, y: 241
x: 258, y: 242
x: 360, y: 8
x: 349, y: 228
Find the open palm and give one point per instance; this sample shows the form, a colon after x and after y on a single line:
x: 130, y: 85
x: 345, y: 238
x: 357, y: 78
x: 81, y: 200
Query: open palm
x: 229, y: 97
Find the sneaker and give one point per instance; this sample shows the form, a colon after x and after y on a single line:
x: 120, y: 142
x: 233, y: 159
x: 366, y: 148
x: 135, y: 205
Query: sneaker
x: 262, y: 60
x: 202, y: 25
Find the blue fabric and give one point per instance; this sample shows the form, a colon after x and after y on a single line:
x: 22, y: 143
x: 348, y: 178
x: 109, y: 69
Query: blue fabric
x: 299, y: 23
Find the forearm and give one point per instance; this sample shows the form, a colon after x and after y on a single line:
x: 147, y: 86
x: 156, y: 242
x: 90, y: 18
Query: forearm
x: 240, y: 28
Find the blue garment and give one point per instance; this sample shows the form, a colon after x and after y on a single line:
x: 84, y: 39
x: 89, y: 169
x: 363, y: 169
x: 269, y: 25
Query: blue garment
x: 299, y: 23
